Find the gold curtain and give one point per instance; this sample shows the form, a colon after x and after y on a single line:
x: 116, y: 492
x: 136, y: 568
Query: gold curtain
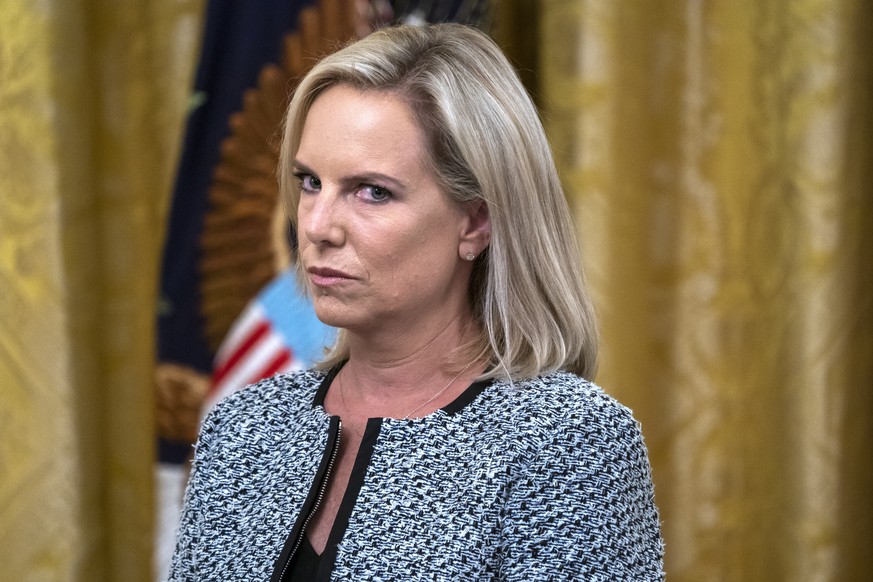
x: 91, y: 110
x: 718, y: 156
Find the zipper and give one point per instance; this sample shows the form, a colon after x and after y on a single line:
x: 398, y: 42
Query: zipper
x: 322, y: 489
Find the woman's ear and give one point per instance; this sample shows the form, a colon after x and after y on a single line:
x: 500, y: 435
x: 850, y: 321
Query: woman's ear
x: 476, y: 230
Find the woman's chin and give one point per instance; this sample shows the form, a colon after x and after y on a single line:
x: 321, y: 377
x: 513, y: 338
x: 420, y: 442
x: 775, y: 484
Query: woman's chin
x: 334, y: 315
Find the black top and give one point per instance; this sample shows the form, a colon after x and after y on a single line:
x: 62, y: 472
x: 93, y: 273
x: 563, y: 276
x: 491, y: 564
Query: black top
x: 305, y: 563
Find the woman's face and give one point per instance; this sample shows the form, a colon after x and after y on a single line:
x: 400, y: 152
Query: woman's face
x: 381, y: 244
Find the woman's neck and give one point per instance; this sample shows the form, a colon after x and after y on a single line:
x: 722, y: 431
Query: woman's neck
x: 384, y: 376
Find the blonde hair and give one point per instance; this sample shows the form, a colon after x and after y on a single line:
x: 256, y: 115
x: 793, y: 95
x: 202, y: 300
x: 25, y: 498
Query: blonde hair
x: 486, y: 144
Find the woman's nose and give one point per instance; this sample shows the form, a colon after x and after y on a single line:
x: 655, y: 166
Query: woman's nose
x: 319, y: 218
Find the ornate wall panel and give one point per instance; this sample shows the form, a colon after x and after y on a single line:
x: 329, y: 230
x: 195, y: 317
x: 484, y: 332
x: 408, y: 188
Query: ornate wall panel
x: 91, y: 106
x: 718, y: 158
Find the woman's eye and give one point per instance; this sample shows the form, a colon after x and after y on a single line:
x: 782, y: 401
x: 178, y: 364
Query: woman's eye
x: 374, y: 193
x: 309, y: 183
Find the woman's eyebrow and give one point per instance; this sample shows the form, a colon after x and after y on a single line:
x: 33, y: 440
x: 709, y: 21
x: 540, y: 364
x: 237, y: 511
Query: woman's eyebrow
x: 378, y: 177
x: 297, y: 166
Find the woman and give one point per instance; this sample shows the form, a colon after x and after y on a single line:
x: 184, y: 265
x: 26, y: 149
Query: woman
x: 451, y: 433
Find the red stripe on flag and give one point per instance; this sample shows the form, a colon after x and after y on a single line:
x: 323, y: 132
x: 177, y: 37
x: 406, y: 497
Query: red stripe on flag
x: 281, y: 359
x: 246, y: 345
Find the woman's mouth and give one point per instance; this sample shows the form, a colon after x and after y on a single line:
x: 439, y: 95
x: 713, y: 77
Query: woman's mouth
x: 327, y: 277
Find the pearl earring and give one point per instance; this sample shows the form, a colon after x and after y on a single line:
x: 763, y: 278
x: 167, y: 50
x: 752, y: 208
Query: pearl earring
x: 470, y: 256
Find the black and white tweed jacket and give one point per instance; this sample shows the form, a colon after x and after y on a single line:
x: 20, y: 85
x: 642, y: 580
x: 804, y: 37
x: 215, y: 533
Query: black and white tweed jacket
x: 544, y: 480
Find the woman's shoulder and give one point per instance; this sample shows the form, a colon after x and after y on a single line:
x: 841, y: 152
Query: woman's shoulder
x: 562, y: 403
x: 278, y: 395
x: 562, y: 394
x: 261, y: 414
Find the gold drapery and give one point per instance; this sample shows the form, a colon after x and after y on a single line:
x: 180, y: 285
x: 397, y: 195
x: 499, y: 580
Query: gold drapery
x: 718, y: 158
x: 92, y: 99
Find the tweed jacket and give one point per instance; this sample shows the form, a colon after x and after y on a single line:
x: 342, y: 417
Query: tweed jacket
x: 541, y: 479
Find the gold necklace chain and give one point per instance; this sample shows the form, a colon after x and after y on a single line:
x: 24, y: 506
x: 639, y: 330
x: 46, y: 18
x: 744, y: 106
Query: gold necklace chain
x: 437, y: 395
x: 342, y: 392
